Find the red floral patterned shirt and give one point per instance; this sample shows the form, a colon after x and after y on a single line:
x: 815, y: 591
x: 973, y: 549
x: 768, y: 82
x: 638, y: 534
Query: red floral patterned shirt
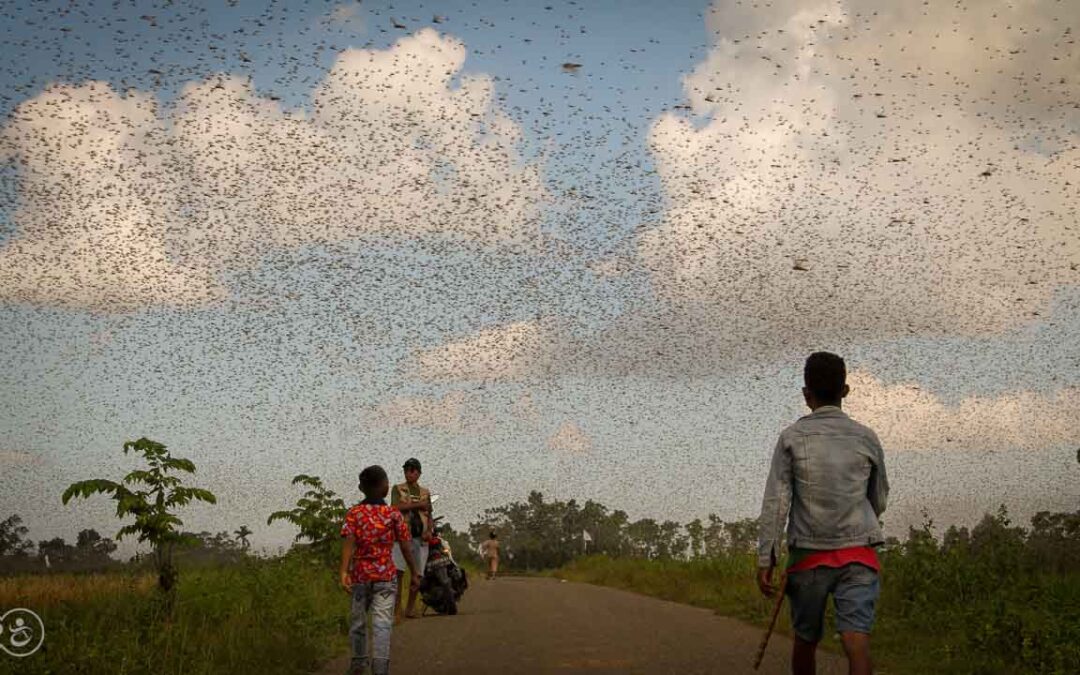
x: 375, y: 527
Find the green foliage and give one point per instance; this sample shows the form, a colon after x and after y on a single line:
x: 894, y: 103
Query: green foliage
x: 460, y: 546
x: 92, y: 547
x: 148, y: 496
x: 318, y: 514
x: 537, y: 534
x: 281, y: 615
x: 12, y: 537
x: 997, y: 599
x: 1000, y: 599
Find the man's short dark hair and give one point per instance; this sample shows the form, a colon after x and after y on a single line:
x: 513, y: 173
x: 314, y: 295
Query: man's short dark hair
x: 371, y: 478
x: 825, y: 376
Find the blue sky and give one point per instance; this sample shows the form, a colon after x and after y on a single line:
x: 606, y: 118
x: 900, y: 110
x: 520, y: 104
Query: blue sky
x: 308, y: 362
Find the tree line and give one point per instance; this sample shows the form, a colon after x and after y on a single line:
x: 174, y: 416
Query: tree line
x: 539, y: 534
x: 535, y: 533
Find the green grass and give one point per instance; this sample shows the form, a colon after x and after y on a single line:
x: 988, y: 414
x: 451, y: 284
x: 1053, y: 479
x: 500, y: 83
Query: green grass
x: 280, y: 615
x: 940, y: 614
x: 283, y: 615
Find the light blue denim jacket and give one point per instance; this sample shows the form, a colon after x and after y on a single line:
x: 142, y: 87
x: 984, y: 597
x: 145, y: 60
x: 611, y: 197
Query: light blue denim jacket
x: 827, y: 481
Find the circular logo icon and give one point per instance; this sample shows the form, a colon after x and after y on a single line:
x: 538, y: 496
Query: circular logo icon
x: 21, y: 632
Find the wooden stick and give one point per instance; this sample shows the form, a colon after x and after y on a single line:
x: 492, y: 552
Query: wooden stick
x: 772, y: 621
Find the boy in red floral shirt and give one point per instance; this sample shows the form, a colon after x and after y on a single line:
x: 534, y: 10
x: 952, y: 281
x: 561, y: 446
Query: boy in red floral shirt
x: 368, y: 572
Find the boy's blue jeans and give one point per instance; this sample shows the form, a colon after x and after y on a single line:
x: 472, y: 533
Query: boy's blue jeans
x: 380, y: 597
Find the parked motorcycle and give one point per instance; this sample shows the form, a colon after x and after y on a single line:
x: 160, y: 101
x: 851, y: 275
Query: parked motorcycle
x: 444, y: 582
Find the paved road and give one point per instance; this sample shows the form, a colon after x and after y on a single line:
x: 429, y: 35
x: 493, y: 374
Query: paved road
x: 520, y: 626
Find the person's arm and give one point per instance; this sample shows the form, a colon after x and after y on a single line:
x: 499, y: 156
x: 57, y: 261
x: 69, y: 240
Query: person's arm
x: 348, y: 547
x: 404, y: 507
x: 877, y: 490
x: 774, y: 511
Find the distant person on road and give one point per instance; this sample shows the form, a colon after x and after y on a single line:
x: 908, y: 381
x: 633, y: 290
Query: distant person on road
x: 414, y: 502
x: 490, y: 551
x: 368, y: 572
x: 827, y: 483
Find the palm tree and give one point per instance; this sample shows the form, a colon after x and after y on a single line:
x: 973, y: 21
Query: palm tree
x: 242, y: 535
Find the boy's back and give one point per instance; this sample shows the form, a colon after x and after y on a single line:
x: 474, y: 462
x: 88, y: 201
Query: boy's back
x: 368, y: 572
x: 375, y: 527
x: 827, y: 483
x: 837, y: 481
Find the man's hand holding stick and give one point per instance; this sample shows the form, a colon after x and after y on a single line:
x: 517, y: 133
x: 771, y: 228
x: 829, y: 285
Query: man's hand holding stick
x: 764, y: 580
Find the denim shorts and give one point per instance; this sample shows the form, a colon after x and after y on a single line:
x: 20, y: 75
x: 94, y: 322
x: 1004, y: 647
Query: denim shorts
x: 855, y: 589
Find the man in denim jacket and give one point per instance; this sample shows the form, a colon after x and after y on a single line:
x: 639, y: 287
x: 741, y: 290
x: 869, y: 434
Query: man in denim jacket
x: 827, y: 483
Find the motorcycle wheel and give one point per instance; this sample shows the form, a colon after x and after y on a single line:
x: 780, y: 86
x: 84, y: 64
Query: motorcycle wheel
x: 448, y: 604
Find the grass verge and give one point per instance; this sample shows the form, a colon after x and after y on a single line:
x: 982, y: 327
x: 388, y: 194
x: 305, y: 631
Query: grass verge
x: 980, y: 623
x: 282, y: 615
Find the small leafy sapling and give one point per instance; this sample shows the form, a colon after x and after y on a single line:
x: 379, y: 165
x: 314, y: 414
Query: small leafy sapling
x: 150, y: 496
x: 318, y: 513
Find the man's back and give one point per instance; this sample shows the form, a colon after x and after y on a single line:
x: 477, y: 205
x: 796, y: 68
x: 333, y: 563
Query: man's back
x: 828, y: 478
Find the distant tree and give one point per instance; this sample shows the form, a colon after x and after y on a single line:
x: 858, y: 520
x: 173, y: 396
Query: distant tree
x: 713, y: 542
x: 318, y: 513
x: 644, y: 536
x: 242, y: 535
x: 151, y: 507
x: 219, y: 542
x: 460, y: 545
x: 1055, y: 540
x: 696, y: 531
x: 956, y: 540
x: 541, y: 534
x: 92, y: 548
x: 12, y: 537
x: 672, y: 543
x: 740, y: 536
x: 56, y: 550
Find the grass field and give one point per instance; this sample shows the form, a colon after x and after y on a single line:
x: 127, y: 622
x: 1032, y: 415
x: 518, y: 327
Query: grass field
x: 283, y: 615
x: 280, y: 615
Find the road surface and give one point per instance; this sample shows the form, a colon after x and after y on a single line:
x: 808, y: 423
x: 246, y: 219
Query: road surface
x: 520, y: 626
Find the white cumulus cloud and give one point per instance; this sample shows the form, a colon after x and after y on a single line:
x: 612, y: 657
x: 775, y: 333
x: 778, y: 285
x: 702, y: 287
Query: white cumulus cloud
x: 866, y: 169
x: 122, y: 203
x: 906, y: 417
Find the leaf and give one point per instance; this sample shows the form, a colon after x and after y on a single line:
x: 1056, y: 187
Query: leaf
x: 87, y: 488
x: 305, y: 479
x: 281, y: 515
x: 180, y: 464
x: 140, y: 476
x: 183, y: 495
